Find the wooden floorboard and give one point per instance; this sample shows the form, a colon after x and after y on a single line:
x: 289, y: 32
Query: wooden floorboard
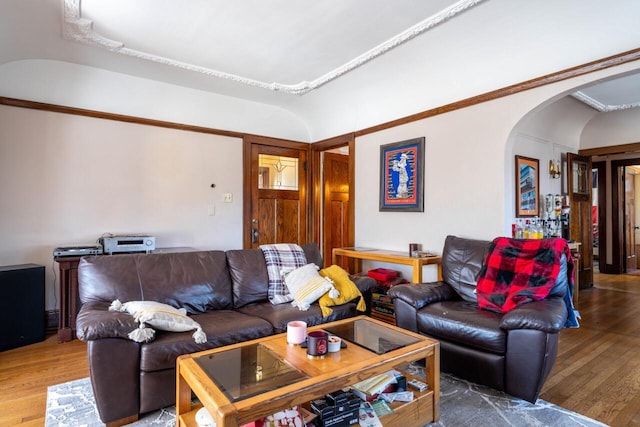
x: 26, y: 372
x: 597, y: 372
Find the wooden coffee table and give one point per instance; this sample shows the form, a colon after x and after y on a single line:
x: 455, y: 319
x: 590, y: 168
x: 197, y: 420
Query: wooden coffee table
x: 244, y: 382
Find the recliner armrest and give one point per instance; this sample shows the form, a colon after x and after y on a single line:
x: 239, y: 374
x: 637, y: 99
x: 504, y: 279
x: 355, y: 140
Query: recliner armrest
x: 548, y: 315
x: 95, y: 321
x: 421, y: 294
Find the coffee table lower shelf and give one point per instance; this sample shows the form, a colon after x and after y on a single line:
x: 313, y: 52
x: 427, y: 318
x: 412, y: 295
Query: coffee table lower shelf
x: 405, y: 414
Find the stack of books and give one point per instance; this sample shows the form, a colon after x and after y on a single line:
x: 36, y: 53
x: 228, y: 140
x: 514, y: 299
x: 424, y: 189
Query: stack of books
x: 381, y: 305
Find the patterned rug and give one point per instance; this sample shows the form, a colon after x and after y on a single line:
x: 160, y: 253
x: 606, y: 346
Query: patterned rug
x: 461, y: 404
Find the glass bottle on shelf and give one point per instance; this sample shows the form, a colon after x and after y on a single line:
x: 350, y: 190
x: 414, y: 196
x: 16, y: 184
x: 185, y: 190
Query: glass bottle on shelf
x: 518, y: 231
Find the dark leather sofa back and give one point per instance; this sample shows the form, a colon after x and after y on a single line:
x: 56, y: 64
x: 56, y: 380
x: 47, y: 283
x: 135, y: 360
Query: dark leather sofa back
x: 197, y: 281
x: 249, y: 276
x: 461, y: 263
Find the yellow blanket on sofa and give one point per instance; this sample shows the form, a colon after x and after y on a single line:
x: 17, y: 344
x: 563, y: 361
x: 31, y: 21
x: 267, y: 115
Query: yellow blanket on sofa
x: 348, y: 290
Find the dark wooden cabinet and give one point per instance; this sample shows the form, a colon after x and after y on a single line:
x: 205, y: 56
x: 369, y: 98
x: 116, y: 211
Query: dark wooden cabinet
x: 21, y: 305
x: 69, y: 298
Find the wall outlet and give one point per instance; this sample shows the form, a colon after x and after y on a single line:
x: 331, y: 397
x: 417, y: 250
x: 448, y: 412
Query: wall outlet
x: 228, y: 197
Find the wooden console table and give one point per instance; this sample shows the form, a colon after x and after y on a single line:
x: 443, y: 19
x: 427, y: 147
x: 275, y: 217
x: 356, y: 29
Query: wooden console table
x: 393, y: 257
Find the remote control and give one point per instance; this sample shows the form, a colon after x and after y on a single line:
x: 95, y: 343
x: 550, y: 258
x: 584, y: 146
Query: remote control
x: 417, y: 385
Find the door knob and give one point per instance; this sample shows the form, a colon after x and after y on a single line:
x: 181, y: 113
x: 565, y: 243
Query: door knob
x: 254, y: 235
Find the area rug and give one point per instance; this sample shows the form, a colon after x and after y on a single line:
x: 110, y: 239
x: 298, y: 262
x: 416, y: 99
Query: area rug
x: 462, y: 404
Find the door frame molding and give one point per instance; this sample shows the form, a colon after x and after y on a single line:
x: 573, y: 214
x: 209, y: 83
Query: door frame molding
x: 316, y: 184
x: 617, y: 223
x: 603, y: 248
x: 248, y: 141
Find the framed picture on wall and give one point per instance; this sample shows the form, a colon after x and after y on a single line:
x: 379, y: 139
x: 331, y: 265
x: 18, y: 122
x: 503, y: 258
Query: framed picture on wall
x: 402, y: 176
x: 527, y: 186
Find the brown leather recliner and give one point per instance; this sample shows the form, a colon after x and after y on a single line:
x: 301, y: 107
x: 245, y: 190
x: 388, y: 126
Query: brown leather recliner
x: 512, y: 352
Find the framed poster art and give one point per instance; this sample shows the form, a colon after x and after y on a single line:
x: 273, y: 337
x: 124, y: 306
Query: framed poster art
x: 527, y: 186
x: 402, y: 176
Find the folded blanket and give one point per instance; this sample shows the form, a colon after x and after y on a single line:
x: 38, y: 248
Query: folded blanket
x: 517, y: 271
x: 281, y: 258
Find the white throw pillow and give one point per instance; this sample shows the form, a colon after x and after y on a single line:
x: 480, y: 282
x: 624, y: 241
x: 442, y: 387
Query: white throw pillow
x: 307, y: 286
x: 160, y: 316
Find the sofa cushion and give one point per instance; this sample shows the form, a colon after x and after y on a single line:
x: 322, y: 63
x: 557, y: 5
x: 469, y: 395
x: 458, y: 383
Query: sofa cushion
x: 281, y: 258
x: 197, y: 281
x: 281, y: 314
x: 159, y: 316
x: 464, y: 323
x: 248, y: 272
x: 461, y: 263
x: 223, y: 327
x: 306, y: 286
x: 313, y: 254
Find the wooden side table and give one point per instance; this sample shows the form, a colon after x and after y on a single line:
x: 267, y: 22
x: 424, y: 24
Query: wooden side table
x: 393, y: 257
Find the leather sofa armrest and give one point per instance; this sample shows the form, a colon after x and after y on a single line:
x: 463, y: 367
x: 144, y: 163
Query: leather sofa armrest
x: 422, y: 294
x: 548, y: 315
x: 95, y: 321
x: 364, y: 283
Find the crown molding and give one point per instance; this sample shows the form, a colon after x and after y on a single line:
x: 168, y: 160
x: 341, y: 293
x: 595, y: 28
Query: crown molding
x: 599, y: 106
x: 79, y: 29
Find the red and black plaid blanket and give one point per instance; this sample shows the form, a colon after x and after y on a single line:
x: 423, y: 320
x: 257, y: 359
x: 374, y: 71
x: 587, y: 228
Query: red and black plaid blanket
x: 518, y: 271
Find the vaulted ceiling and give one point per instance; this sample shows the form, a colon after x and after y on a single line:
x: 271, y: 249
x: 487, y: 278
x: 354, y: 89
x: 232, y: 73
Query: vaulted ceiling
x: 284, y: 52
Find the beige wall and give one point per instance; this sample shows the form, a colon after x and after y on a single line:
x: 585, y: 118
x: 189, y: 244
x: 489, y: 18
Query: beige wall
x: 66, y: 180
x: 613, y: 128
x: 469, y: 167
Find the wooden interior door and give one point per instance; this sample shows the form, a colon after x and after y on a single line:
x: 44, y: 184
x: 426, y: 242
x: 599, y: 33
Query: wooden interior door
x: 277, y: 206
x: 629, y: 222
x: 335, y: 204
x: 580, y: 225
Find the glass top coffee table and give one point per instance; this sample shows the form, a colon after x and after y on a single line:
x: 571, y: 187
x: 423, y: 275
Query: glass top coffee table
x: 244, y: 382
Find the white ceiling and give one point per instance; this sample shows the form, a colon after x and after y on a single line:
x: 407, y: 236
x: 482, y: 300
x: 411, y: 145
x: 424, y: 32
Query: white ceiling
x: 277, y: 50
x: 618, y: 94
x: 293, y: 47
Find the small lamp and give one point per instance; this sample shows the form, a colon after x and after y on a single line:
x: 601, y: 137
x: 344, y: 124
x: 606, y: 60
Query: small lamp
x: 554, y: 169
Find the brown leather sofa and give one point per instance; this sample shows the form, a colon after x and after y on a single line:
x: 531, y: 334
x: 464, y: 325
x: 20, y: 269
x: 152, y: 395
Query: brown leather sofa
x: 512, y: 352
x: 225, y: 292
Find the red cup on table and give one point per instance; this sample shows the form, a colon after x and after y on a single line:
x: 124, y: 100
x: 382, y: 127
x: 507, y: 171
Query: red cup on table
x: 317, y: 344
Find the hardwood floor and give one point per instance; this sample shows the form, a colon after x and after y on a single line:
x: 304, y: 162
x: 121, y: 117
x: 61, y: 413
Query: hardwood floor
x: 26, y: 372
x: 597, y: 372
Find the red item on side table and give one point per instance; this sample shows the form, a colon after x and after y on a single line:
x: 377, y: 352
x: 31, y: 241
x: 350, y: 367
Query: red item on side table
x: 382, y: 274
